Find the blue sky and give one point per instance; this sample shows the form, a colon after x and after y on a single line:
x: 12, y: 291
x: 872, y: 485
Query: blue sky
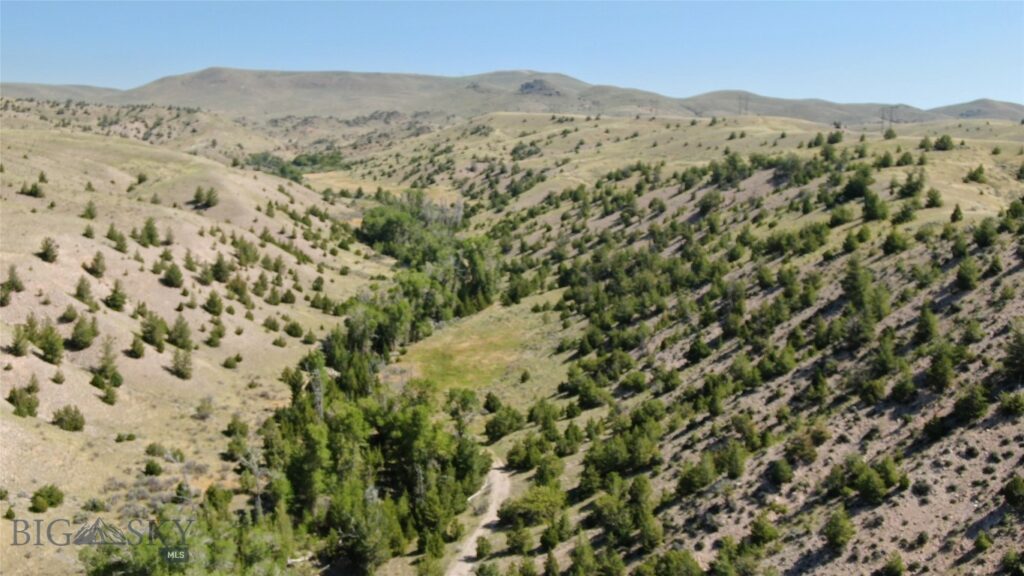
x: 920, y: 53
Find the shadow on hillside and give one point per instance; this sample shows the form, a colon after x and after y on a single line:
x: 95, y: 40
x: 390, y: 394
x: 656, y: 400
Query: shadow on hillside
x: 811, y: 562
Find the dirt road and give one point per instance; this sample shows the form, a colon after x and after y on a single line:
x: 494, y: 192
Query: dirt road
x: 496, y: 490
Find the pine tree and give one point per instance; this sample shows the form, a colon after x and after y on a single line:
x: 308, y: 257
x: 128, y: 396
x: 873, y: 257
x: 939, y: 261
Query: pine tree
x: 98, y: 265
x: 48, y: 250
x: 927, y: 326
x: 583, y: 561
x: 117, y: 297
x: 875, y: 208
x: 154, y: 331
x: 138, y: 348
x: 109, y: 395
x: 13, y: 282
x: 108, y: 359
x: 83, y: 334
x: 149, y: 235
x: 21, y: 342
x: 51, y: 344
x: 838, y: 530
x: 940, y: 372
x: 181, y: 365
x: 180, y: 334
x: 83, y: 290
x: 967, y: 274
x: 1013, y: 360
x: 214, y: 305
x: 957, y: 215
x: 173, y: 276
x: 551, y: 567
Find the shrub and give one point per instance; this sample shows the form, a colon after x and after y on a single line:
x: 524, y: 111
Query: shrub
x: 1013, y: 360
x: 780, y: 472
x: 695, y: 476
x: 972, y: 404
x: 838, y: 530
x: 13, y: 282
x: 83, y: 334
x: 152, y: 468
x: 48, y: 250
x: 173, y: 277
x: 181, y: 364
x: 977, y: 175
x: 214, y: 305
x: 483, y: 548
x: 69, y: 418
x: 51, y: 345
x: 893, y: 566
x: 1012, y: 404
x: 204, y: 409
x: 967, y: 274
x: 49, y: 496
x: 505, y: 421
x: 519, y: 540
x: 117, y: 297
x: 538, y: 504
x: 24, y: 400
x: 137, y: 348
x: 1012, y: 563
x: 762, y: 531
x: 870, y: 486
x: 983, y: 542
x: 109, y: 395
x: 1013, y: 493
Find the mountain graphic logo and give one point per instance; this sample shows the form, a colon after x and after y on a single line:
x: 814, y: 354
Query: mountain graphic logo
x: 99, y: 532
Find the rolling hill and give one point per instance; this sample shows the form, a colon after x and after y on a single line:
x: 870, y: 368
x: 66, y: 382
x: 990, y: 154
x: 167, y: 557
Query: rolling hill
x: 266, y: 94
x: 510, y: 340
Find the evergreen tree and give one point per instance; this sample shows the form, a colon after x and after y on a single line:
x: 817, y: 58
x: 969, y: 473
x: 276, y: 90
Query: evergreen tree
x: 98, y: 265
x: 214, y: 305
x: 583, y: 561
x: 117, y: 297
x: 173, y: 276
x: 180, y: 334
x: 957, y: 215
x: 967, y: 274
x: 48, y: 250
x: 1013, y: 359
x: 51, y: 344
x: 83, y: 333
x: 149, y: 236
x: 181, y: 365
x: 838, y: 530
x: 551, y: 567
x: 138, y: 348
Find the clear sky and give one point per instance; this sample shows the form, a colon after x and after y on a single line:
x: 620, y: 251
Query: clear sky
x: 920, y: 53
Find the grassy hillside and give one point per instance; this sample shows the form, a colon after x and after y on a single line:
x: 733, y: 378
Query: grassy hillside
x: 605, y: 344
x: 121, y: 184
x: 263, y: 94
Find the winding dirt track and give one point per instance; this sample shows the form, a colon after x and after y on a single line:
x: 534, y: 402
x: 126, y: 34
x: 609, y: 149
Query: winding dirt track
x: 496, y: 488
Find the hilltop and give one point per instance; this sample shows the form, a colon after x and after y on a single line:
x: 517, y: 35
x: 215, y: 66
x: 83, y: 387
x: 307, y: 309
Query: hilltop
x: 262, y: 94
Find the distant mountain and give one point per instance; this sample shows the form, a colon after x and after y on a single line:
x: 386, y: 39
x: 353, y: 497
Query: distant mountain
x: 734, y: 102
x: 56, y: 92
x: 265, y: 94
x: 984, y: 108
